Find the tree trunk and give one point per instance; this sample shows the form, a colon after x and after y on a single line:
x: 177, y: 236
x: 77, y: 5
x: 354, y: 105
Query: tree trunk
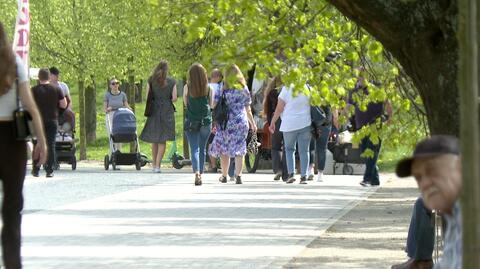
x: 468, y: 82
x: 90, y: 113
x: 81, y: 105
x: 422, y: 37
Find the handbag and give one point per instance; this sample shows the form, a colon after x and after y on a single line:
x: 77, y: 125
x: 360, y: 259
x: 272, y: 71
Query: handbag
x: 220, y: 112
x: 22, y: 120
x: 149, y: 104
x: 253, y: 144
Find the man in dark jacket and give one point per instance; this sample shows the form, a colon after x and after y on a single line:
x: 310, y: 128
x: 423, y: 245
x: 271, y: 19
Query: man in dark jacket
x: 374, y: 114
x: 49, y: 99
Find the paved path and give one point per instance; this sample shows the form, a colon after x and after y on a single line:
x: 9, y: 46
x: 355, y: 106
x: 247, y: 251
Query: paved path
x: 127, y: 219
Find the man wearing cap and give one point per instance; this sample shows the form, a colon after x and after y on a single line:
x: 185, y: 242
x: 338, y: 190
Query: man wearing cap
x: 54, y: 80
x: 436, y: 166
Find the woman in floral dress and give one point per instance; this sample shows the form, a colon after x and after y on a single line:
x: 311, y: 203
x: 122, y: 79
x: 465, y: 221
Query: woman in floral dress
x: 231, y: 141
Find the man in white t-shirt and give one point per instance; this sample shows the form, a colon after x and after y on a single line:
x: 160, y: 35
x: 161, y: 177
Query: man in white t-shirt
x: 54, y: 80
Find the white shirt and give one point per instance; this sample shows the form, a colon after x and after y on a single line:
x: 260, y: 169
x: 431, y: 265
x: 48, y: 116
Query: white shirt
x: 8, y: 101
x: 296, y: 114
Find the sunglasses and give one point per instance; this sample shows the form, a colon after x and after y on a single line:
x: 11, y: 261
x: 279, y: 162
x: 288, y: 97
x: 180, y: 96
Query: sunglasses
x: 115, y: 83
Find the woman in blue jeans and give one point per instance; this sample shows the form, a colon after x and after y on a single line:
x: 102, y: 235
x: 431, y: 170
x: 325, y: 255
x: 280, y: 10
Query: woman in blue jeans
x: 296, y: 128
x: 197, y: 98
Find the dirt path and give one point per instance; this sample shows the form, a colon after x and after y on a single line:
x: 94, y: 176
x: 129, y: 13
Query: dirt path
x: 372, y: 235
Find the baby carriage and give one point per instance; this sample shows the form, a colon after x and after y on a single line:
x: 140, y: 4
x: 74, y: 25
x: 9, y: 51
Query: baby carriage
x: 65, y: 140
x: 122, y: 130
x: 347, y: 157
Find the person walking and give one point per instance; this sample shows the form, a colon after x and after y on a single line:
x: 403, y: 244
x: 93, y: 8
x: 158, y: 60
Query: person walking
x: 14, y: 83
x: 197, y: 98
x: 49, y: 100
x: 269, y: 105
x: 320, y: 139
x: 160, y: 126
x: 375, y: 114
x: 112, y: 101
x: 230, y: 140
x: 55, y: 81
x: 216, y: 84
x: 296, y: 128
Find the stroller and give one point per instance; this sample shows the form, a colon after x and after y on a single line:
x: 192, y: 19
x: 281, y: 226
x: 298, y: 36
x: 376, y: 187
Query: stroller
x: 347, y: 155
x: 123, y: 130
x: 65, y: 140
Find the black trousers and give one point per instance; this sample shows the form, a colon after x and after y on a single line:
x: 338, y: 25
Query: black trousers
x: 13, y: 161
x: 50, y: 128
x: 279, y: 163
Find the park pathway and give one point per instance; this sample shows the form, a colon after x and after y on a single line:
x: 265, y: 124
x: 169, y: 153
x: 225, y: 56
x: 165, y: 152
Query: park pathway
x: 92, y: 218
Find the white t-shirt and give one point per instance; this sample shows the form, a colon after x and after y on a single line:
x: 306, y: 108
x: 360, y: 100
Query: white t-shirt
x: 8, y: 101
x: 296, y: 114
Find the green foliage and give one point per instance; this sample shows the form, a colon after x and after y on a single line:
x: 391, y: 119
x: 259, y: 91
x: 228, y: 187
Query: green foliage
x: 292, y: 38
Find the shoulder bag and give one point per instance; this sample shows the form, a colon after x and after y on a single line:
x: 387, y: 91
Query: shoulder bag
x: 22, y: 120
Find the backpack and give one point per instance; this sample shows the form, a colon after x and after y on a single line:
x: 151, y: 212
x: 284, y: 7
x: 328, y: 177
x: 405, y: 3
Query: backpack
x: 220, y: 112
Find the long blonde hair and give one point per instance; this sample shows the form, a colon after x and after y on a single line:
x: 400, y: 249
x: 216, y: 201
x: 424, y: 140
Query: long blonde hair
x: 234, y: 78
x: 197, y: 81
x: 160, y: 73
x: 8, y: 66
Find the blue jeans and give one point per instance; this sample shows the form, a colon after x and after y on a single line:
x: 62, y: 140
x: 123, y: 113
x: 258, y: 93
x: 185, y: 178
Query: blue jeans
x: 198, y: 144
x: 302, y: 137
x: 371, y: 171
x: 421, y: 233
x: 321, y: 147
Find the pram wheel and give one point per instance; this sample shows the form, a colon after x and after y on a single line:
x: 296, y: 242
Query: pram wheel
x: 74, y: 163
x: 106, y: 162
x: 347, y: 169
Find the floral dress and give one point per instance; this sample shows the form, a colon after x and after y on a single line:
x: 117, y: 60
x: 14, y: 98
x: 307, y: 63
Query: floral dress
x: 232, y: 140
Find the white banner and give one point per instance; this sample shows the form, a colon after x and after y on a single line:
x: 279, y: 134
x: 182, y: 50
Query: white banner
x: 21, y: 40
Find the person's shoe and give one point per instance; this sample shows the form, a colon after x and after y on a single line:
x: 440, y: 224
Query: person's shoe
x: 374, y: 184
x: 232, y: 178
x: 238, y: 180
x: 414, y: 264
x: 198, y: 180
x: 223, y: 179
x: 35, y: 173
x: 277, y: 176
x: 291, y: 179
x: 365, y: 183
x: 212, y: 170
x: 49, y: 174
x: 157, y: 170
x: 310, y: 177
x: 303, y: 180
x: 319, y: 177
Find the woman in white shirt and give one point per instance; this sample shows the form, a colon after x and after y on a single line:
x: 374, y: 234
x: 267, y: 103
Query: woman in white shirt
x: 296, y: 127
x: 13, y: 156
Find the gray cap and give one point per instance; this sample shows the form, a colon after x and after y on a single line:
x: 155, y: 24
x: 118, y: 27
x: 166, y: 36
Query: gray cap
x: 435, y: 145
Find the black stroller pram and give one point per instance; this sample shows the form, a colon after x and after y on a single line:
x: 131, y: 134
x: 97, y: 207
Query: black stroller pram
x: 345, y: 153
x: 122, y: 130
x: 65, y: 140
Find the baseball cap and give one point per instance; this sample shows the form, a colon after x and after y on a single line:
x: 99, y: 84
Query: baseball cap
x: 429, y: 147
